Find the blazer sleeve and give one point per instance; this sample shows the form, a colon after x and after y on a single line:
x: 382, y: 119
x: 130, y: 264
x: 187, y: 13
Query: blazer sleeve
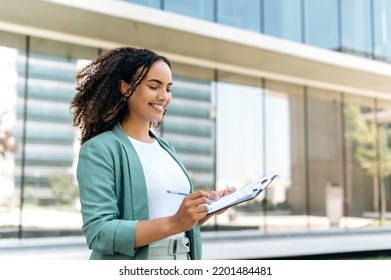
x: 105, y: 231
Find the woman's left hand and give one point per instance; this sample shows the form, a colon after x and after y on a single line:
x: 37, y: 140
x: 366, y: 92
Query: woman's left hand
x: 219, y: 194
x: 216, y: 195
x: 226, y: 191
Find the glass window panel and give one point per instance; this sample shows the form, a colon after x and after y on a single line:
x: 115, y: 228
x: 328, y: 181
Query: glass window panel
x: 283, y: 18
x: 383, y: 138
x: 10, y: 48
x: 382, y: 29
x: 203, y: 9
x: 321, y: 23
x: 361, y: 190
x: 383, y: 108
x: 368, y: 152
x: 46, y: 168
x: 356, y: 27
x: 245, y: 14
x: 285, y: 155
x: 189, y: 127
x: 43, y: 165
x: 324, y: 158
x: 239, y: 145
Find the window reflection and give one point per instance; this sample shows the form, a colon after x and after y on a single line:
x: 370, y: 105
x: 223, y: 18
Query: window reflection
x: 187, y: 124
x: 239, y: 147
x: 322, y: 23
x: 283, y: 19
x: 44, y: 165
x: 9, y: 211
x: 356, y: 27
x: 285, y: 155
x: 368, y: 138
x: 243, y: 14
x: 39, y: 195
x: 239, y: 134
x: 382, y: 29
x: 324, y: 155
x: 203, y: 9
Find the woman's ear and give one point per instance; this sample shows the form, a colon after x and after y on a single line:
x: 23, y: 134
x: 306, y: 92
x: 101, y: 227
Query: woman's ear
x: 124, y: 88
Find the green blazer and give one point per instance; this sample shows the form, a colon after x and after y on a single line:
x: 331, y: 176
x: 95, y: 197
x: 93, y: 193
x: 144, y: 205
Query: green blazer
x: 113, y: 196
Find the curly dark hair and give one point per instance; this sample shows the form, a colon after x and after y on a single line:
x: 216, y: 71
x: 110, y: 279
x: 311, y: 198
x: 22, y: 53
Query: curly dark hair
x: 99, y: 104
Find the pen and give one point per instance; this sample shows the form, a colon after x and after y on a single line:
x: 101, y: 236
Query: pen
x: 181, y: 193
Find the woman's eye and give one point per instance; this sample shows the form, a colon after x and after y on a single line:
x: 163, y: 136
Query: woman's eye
x: 153, y: 87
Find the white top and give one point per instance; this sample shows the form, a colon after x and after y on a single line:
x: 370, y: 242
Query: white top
x: 162, y: 174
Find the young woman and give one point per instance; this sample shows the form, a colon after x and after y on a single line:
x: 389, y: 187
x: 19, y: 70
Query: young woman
x: 137, y: 200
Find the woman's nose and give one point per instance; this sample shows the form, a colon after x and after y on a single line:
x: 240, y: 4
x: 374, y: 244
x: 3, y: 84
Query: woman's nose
x: 164, y: 95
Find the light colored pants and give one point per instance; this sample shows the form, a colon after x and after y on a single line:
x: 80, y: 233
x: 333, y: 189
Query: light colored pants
x: 170, y: 249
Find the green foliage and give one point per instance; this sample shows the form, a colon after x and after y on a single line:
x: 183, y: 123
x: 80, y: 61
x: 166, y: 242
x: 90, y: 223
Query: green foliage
x: 63, y: 188
x: 372, y: 150
x: 372, y: 142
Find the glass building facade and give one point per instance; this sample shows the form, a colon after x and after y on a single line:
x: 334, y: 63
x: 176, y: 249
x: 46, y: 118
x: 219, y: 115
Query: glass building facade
x: 361, y: 27
x: 330, y: 148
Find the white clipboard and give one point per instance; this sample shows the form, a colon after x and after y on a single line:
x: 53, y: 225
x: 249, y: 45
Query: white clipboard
x: 246, y: 193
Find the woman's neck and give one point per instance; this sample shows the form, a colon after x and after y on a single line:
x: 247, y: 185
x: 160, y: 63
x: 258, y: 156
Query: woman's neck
x: 137, y: 131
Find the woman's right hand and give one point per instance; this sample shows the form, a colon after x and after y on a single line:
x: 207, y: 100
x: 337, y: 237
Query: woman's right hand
x: 191, y: 210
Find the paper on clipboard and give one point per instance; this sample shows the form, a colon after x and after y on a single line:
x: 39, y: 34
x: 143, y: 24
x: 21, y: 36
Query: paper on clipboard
x: 246, y: 193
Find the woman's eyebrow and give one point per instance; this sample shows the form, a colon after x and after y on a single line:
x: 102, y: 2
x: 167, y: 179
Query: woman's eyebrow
x: 158, y: 81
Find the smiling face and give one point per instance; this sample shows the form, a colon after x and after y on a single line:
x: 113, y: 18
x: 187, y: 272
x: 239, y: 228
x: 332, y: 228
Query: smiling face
x: 151, y: 98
